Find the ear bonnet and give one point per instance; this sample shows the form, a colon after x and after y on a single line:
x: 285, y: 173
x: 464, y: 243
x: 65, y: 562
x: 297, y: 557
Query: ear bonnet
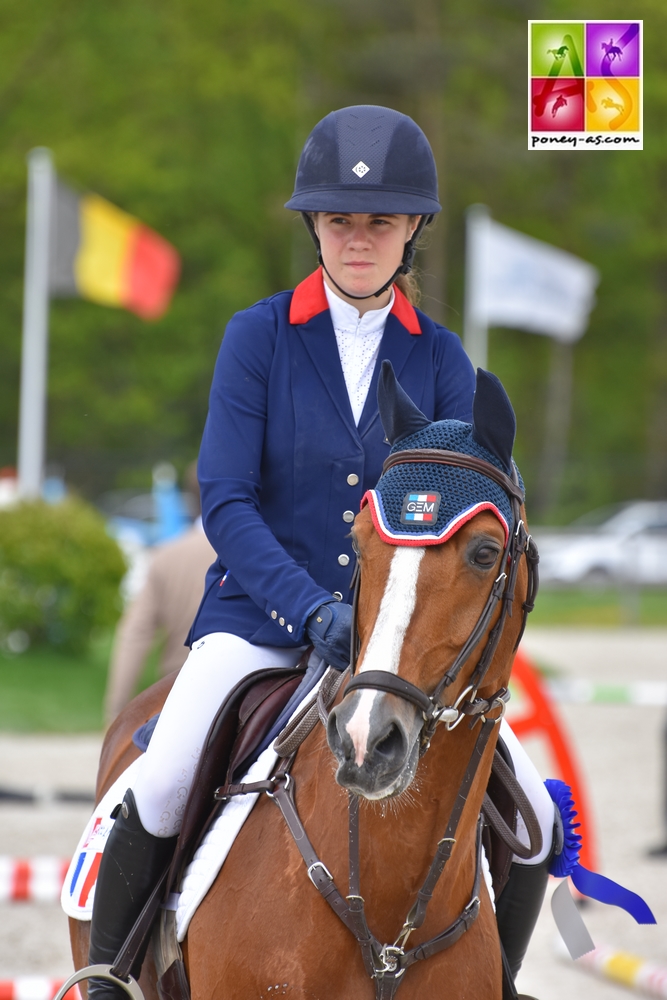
x: 424, y: 503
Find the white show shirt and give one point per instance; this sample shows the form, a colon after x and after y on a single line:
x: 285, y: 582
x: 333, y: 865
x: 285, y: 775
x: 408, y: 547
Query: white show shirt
x: 358, y: 339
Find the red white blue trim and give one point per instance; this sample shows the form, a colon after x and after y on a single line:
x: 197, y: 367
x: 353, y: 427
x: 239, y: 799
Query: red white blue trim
x: 393, y: 537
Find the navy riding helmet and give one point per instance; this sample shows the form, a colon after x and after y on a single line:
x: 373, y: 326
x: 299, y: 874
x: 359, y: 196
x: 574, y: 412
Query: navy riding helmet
x: 367, y: 159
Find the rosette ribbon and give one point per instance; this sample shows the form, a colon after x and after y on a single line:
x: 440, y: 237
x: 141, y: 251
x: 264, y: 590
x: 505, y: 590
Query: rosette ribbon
x: 566, y: 864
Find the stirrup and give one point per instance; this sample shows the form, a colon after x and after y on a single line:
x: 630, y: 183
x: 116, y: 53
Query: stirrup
x: 131, y: 987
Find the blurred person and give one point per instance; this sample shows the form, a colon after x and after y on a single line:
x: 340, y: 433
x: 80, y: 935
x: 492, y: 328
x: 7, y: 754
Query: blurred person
x: 165, y: 606
x: 292, y: 442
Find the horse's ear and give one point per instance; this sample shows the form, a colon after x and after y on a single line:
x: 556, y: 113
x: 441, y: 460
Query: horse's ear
x: 398, y: 413
x: 493, y: 420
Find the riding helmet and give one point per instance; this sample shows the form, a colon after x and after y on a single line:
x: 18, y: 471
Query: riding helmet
x: 366, y: 159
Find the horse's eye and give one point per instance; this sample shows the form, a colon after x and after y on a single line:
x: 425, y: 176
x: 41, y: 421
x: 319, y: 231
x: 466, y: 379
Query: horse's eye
x: 485, y: 556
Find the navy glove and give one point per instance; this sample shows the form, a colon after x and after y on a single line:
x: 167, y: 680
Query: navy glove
x: 329, y: 629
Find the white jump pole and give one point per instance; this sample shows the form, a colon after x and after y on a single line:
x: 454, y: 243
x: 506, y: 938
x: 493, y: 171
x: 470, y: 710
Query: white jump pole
x: 475, y: 325
x: 34, y: 351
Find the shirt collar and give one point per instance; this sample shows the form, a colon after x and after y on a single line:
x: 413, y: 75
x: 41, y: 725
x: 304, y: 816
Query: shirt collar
x: 345, y: 316
x: 309, y: 299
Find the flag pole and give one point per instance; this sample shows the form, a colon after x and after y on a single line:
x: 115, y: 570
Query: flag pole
x: 34, y: 351
x: 475, y: 325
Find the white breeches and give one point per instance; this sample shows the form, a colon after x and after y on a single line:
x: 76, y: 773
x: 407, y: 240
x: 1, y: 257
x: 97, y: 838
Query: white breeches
x: 529, y: 779
x: 215, y: 665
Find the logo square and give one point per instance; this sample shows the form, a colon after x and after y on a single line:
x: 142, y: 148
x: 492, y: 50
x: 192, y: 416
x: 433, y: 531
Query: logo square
x: 420, y: 508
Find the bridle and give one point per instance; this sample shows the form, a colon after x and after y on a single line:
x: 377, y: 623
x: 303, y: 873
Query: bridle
x: 518, y: 543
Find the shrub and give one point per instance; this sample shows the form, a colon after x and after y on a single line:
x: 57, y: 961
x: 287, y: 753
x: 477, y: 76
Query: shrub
x: 59, y: 575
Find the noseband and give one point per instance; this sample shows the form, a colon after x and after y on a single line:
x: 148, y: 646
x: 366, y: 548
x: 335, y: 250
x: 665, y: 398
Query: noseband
x: 518, y: 543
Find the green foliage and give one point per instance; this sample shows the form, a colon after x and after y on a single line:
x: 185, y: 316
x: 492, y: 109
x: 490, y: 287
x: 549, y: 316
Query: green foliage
x: 59, y: 574
x: 191, y: 116
x: 47, y: 690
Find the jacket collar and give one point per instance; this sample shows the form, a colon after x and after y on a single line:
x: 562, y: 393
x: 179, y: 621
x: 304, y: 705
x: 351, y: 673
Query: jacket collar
x: 309, y: 299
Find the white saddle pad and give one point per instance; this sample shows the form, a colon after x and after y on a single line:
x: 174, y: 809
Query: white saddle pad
x: 78, y: 889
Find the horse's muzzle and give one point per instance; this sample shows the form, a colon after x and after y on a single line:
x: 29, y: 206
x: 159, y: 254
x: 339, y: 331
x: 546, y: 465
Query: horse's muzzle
x: 377, y: 757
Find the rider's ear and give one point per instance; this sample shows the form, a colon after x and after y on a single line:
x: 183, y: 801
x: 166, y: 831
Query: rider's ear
x: 399, y: 415
x: 493, y: 420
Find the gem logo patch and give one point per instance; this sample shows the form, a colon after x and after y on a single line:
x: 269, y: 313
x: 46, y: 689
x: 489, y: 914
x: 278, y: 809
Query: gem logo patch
x: 421, y: 507
x: 360, y: 169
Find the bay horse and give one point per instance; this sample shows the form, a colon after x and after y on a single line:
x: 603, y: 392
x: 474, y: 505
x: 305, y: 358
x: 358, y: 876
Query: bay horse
x: 423, y: 613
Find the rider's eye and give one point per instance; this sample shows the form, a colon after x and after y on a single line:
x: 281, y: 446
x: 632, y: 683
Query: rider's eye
x: 485, y: 556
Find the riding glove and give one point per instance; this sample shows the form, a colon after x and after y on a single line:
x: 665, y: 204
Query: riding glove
x: 329, y: 629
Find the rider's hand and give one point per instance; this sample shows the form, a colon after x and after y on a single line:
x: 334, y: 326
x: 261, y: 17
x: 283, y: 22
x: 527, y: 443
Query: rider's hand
x: 329, y: 629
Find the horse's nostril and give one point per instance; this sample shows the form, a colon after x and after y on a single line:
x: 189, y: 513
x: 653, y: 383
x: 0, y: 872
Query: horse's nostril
x: 340, y: 743
x: 392, y: 744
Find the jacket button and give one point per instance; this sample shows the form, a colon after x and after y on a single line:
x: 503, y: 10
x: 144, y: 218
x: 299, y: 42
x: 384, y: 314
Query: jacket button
x: 352, y: 479
x: 274, y: 614
x: 281, y: 621
x: 289, y: 628
x: 343, y: 559
x: 348, y: 516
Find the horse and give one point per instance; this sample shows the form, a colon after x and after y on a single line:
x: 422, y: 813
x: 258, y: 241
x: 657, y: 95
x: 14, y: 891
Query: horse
x: 396, y: 759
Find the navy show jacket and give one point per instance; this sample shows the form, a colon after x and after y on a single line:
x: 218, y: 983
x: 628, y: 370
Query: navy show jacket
x: 283, y: 467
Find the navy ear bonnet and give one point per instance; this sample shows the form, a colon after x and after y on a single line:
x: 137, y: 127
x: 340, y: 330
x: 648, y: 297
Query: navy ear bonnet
x: 422, y: 503
x: 366, y: 159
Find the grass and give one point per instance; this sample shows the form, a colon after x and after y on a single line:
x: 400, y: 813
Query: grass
x: 602, y: 608
x: 45, y: 691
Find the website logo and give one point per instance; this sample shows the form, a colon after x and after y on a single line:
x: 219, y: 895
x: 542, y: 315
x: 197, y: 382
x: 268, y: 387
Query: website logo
x: 585, y: 85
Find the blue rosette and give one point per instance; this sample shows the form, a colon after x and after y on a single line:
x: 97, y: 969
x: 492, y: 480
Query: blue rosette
x: 566, y: 864
x: 563, y: 864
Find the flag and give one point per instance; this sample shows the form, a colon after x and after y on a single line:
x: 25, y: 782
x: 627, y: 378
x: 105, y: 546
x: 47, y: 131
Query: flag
x: 101, y: 253
x: 525, y: 284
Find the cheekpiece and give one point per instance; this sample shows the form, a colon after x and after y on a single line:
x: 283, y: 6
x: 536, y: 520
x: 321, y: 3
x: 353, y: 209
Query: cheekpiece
x: 424, y: 503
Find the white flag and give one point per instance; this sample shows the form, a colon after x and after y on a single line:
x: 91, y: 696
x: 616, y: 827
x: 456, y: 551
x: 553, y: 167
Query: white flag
x: 523, y: 283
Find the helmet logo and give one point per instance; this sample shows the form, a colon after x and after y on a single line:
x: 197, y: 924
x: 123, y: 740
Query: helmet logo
x: 360, y: 169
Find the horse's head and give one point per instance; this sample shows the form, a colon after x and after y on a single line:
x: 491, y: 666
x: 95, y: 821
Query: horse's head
x: 438, y: 564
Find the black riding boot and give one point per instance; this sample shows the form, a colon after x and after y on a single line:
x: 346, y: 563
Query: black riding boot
x: 518, y: 908
x: 131, y: 866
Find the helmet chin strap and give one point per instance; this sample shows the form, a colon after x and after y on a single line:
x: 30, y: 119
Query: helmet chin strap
x: 404, y: 267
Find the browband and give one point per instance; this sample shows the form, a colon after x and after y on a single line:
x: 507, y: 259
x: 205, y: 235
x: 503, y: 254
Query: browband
x: 439, y: 456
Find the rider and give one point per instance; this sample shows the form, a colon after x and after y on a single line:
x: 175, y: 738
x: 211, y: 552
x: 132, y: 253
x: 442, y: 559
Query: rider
x: 292, y: 442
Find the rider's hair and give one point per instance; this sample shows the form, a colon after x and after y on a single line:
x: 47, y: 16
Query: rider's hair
x: 409, y: 286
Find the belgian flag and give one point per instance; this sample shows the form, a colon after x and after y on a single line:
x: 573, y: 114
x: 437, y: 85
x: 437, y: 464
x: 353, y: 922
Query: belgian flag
x: 101, y: 253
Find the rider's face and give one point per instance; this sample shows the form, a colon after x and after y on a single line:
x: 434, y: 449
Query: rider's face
x: 361, y: 251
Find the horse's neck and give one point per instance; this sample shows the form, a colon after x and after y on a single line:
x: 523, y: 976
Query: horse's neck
x: 398, y: 837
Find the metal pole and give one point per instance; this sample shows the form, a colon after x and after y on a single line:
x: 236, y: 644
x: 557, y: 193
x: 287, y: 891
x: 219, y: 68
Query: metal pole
x: 34, y: 353
x: 475, y: 335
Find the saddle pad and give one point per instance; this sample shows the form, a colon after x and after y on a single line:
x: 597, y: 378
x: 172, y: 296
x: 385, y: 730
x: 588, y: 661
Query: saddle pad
x: 209, y: 857
x: 78, y: 889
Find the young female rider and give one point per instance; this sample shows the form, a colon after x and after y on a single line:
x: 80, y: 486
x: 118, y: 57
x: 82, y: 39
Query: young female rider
x: 292, y: 442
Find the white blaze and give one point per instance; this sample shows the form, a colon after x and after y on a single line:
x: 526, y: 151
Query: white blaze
x: 386, y: 642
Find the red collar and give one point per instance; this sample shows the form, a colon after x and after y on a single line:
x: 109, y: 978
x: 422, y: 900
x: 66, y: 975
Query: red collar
x: 309, y: 299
